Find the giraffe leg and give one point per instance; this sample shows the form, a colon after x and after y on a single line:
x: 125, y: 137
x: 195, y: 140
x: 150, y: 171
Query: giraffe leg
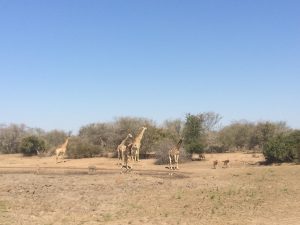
x: 170, y: 164
x: 131, y: 155
x: 124, y: 163
x: 122, y: 158
x: 177, y: 159
x: 134, y: 155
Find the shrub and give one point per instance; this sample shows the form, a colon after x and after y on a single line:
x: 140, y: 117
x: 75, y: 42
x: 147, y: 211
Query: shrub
x: 215, y: 149
x: 54, y: 138
x: 195, y: 147
x: 32, y: 145
x: 11, y: 137
x: 294, y: 141
x: 81, y: 148
x: 282, y: 148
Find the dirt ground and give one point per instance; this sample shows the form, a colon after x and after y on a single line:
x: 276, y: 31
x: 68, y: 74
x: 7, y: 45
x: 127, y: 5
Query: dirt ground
x: 37, y: 191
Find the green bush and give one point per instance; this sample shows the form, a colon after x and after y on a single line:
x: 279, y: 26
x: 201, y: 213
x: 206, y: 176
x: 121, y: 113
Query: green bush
x: 215, y: 149
x: 32, y: 145
x: 195, y: 147
x: 283, y: 148
x: 294, y: 140
x: 81, y: 148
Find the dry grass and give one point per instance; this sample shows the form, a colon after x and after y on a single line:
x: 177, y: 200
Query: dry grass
x: 64, y: 193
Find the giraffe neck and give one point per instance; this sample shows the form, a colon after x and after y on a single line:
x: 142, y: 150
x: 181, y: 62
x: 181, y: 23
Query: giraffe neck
x: 124, y: 141
x: 65, y: 144
x: 140, y: 136
x: 179, y: 144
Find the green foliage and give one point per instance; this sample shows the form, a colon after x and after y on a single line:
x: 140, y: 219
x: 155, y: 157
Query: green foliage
x: 294, y: 140
x: 195, y: 147
x: 246, y: 135
x: 236, y: 135
x: 194, y: 133
x: 82, y: 148
x: 264, y: 131
x: 193, y: 128
x: 32, y: 145
x: 283, y: 148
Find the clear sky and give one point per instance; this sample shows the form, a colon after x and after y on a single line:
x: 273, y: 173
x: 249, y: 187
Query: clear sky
x: 64, y: 64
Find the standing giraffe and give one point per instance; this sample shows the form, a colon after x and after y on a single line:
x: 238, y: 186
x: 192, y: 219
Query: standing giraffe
x: 174, y: 154
x: 136, y: 145
x: 122, y: 148
x: 62, y: 150
x: 126, y: 156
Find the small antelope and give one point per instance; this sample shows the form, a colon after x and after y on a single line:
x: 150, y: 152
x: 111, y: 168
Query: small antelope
x: 225, y: 163
x: 215, y: 163
x: 92, y: 169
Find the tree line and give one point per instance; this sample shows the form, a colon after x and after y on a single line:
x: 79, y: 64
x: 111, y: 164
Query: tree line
x: 202, y: 133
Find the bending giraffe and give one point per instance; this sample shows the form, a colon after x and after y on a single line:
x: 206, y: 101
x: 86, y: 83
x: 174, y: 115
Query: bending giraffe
x: 136, y: 145
x: 174, y: 154
x: 62, y: 150
x: 122, y: 148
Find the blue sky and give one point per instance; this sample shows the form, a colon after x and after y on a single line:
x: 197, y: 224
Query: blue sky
x: 64, y: 64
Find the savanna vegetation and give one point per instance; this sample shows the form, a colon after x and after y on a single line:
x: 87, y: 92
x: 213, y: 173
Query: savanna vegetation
x: 201, y: 132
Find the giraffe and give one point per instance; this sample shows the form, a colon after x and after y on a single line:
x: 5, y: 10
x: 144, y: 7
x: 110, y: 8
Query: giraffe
x: 122, y: 148
x: 136, y: 145
x: 126, y: 156
x: 174, y: 154
x: 61, y: 150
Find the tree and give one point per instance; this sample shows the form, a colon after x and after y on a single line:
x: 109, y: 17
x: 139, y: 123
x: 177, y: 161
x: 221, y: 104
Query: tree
x: 294, y: 140
x: 32, y: 145
x: 82, y: 148
x: 265, y: 131
x: 237, y: 135
x: 102, y: 134
x: 11, y: 136
x: 210, y: 120
x: 54, y: 138
x: 194, y: 133
x: 284, y: 147
x: 174, y: 127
